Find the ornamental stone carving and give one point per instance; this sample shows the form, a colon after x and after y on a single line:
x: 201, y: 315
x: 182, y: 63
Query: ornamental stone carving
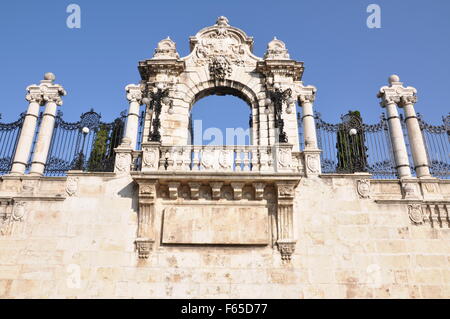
x: 307, y: 98
x: 10, y: 213
x: 284, y: 157
x: 46, y: 91
x: 219, y: 68
x: 222, y: 40
x: 208, y: 157
x: 286, y: 250
x: 225, y: 159
x: 18, y: 211
x: 150, y: 157
x: 312, y: 163
x: 144, y: 247
x: 363, y: 188
x: 166, y: 49
x: 71, y: 185
x: 276, y: 50
x: 411, y: 99
x: 415, y: 213
x: 123, y: 162
x: 286, y: 191
x: 148, y: 190
x: 134, y: 93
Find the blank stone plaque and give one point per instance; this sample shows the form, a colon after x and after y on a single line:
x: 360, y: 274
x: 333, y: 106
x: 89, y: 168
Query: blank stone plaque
x: 216, y: 225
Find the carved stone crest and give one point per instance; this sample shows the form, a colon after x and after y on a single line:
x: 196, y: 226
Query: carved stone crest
x: 18, y: 211
x: 416, y: 214
x: 284, y: 157
x: 312, y: 163
x: 222, y: 40
x: 208, y: 159
x: 363, y: 188
x: 224, y: 159
x: 71, y: 185
x: 149, y: 157
x: 123, y: 161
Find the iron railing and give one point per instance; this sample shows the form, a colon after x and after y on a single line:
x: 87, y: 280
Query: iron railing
x: 9, y: 137
x: 352, y: 146
x: 437, y: 143
x: 86, y: 145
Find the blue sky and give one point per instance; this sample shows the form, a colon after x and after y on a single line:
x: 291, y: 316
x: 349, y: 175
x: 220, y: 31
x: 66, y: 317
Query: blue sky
x: 344, y: 59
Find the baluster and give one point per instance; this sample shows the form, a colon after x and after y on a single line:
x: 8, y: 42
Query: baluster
x: 246, y: 167
x: 162, y: 159
x: 195, y: 160
x: 254, y: 159
x: 238, y: 161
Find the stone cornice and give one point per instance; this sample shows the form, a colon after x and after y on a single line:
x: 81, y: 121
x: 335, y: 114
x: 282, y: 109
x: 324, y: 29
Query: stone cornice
x: 152, y: 67
x: 288, y: 68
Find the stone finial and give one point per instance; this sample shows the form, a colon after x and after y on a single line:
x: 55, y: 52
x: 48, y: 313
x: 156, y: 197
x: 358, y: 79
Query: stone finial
x: 394, y: 79
x: 49, y: 77
x: 222, y: 21
x: 166, y: 49
x: 276, y: 50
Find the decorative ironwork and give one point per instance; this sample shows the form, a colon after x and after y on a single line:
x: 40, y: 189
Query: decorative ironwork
x: 9, y: 137
x: 437, y: 143
x: 368, y: 149
x: 86, y: 145
x: 350, y: 145
x: 156, y: 98
x: 277, y: 97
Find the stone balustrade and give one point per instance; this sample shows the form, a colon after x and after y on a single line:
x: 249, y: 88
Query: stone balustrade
x: 234, y: 158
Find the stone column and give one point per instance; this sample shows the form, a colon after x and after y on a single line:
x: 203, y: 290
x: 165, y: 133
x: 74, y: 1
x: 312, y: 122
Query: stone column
x: 390, y: 97
x: 52, y: 96
x: 134, y: 97
x: 35, y: 99
x: 418, y: 150
x: 309, y: 126
x: 311, y: 152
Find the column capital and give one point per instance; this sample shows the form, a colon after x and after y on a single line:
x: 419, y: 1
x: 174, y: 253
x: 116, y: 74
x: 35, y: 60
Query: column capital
x: 306, y: 94
x: 46, y: 91
x: 134, y: 93
x: 408, y: 99
x: 396, y: 92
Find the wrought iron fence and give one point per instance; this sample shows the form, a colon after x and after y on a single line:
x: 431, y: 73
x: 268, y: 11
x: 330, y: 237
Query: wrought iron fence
x: 9, y: 137
x: 86, y: 145
x: 352, y: 146
x: 140, y: 135
x: 437, y: 143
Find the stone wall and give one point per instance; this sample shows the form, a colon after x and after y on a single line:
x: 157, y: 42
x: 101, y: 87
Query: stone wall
x: 350, y: 244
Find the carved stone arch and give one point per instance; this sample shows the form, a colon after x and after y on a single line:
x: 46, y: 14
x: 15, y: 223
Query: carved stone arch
x: 237, y: 89
x: 221, y: 61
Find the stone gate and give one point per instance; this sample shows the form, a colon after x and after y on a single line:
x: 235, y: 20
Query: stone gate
x: 172, y: 219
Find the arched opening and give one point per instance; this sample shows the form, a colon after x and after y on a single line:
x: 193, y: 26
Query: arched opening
x: 220, y: 117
